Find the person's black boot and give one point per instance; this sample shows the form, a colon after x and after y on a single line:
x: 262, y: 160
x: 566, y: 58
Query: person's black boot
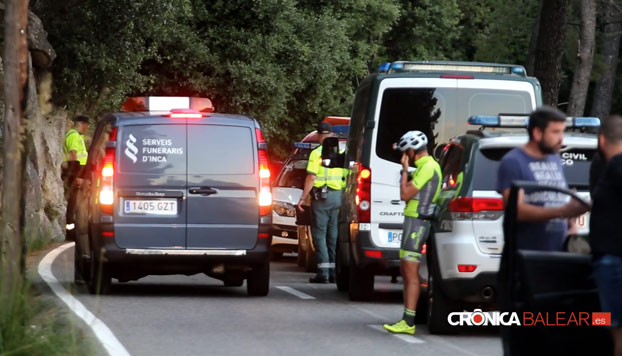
x: 318, y: 279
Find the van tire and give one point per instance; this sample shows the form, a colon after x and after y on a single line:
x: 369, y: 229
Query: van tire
x: 361, y: 283
x: 439, y: 305
x: 342, y: 275
x: 258, y: 280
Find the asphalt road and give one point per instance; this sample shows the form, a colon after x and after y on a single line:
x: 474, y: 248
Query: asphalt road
x: 196, y: 315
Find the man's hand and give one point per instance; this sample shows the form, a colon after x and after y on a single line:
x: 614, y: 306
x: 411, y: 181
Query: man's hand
x: 78, y: 182
x: 574, y: 208
x: 404, y: 161
x: 299, y: 205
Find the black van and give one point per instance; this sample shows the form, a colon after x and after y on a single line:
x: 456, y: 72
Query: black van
x: 179, y: 191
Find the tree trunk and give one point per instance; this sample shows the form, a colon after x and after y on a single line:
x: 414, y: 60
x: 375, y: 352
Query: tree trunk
x: 15, y: 75
x: 612, y: 33
x: 550, y: 48
x: 533, y: 42
x: 585, y: 58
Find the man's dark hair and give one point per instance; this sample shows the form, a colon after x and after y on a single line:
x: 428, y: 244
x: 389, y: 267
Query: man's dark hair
x: 541, y: 118
x: 81, y: 118
x: 611, y: 128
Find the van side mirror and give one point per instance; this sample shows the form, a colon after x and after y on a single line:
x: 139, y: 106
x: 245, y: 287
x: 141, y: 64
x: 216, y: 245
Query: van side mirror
x: 331, y: 158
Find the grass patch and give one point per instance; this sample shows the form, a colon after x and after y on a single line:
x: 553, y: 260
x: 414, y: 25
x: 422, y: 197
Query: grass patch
x: 39, y: 324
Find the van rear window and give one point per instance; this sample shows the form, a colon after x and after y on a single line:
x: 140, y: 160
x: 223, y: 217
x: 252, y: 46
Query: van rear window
x: 153, y: 149
x: 219, y: 149
x: 440, y: 113
x: 576, y: 165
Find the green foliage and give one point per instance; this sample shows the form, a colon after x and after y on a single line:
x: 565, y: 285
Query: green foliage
x: 36, y: 327
x: 425, y: 30
x: 288, y: 64
x: 506, y: 37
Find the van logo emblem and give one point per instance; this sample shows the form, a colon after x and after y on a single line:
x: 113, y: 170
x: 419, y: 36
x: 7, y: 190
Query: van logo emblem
x: 131, y: 149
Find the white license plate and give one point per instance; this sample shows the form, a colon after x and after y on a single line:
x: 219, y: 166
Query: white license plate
x: 152, y: 207
x: 393, y: 237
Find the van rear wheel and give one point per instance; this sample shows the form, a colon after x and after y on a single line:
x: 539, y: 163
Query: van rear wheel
x: 361, y: 286
x: 258, y: 280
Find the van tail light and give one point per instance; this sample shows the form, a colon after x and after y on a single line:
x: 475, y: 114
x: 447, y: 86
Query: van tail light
x: 265, y: 194
x: 467, y: 208
x: 363, y: 195
x: 106, y: 179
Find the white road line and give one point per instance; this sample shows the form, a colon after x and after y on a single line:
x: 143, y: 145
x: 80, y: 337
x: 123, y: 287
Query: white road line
x: 112, y: 345
x: 408, y: 338
x: 291, y: 290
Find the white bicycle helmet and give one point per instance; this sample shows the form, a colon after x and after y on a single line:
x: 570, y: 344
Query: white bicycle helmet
x: 412, y: 139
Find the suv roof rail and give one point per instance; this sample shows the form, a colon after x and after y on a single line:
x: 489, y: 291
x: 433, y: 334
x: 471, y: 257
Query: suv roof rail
x: 452, y: 67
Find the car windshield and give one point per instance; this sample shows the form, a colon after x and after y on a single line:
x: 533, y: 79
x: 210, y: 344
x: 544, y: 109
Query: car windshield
x: 576, y: 163
x: 293, y: 174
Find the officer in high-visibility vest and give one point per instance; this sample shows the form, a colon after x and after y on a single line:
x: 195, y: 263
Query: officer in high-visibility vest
x: 324, y: 185
x: 74, y: 159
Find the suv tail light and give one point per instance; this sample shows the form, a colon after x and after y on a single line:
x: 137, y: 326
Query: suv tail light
x: 467, y: 208
x: 363, y: 194
x: 265, y: 195
x: 106, y: 191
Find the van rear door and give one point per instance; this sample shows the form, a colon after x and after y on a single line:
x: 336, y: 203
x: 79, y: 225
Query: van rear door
x: 150, y: 183
x: 223, y: 185
x: 404, y: 105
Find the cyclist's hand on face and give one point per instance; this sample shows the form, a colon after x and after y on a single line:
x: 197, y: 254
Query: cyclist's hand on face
x: 404, y: 161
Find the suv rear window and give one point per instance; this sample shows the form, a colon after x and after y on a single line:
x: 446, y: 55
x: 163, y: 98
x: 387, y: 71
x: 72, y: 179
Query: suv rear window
x: 293, y: 175
x: 576, y: 165
x: 440, y: 113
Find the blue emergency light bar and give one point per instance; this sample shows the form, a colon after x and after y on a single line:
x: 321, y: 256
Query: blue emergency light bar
x: 522, y: 120
x: 306, y: 145
x: 341, y: 130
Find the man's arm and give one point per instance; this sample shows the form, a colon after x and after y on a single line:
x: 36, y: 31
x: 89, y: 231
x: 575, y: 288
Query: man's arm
x: 529, y: 212
x: 407, y: 189
x: 307, y: 189
x: 72, y: 156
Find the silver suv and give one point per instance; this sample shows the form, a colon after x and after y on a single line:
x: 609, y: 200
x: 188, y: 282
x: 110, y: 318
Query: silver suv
x: 465, y: 251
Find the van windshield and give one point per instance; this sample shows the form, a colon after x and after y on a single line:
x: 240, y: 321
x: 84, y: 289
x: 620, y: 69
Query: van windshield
x: 440, y: 113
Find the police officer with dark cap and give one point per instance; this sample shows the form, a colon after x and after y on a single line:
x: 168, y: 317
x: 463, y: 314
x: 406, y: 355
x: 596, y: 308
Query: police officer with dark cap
x: 75, y: 156
x: 324, y: 185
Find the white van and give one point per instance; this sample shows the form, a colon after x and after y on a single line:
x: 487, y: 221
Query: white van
x: 436, y: 98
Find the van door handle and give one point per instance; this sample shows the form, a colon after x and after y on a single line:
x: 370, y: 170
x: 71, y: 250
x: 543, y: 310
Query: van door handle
x: 395, y: 202
x: 203, y: 191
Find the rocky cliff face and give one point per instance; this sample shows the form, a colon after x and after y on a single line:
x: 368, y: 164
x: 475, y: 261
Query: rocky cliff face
x: 45, y: 203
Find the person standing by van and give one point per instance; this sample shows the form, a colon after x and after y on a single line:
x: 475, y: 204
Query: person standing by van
x: 542, y: 215
x: 605, y: 234
x: 75, y: 156
x: 324, y: 185
x: 420, y: 194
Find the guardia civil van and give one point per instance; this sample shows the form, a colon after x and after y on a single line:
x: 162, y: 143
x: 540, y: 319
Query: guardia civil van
x: 436, y: 98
